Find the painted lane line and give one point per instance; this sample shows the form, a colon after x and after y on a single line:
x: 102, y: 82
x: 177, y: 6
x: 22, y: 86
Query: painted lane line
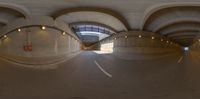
x: 99, y: 66
x: 180, y: 59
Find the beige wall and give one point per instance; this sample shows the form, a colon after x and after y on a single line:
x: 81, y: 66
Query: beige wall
x: 132, y: 46
x: 195, y: 50
x: 49, y: 42
x: 48, y: 46
x: 195, y: 46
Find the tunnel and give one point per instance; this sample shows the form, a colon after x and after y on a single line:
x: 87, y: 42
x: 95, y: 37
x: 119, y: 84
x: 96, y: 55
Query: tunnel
x: 99, y: 49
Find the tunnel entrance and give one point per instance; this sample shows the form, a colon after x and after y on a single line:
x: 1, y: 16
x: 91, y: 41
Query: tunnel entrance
x: 186, y: 48
x: 107, y: 47
x: 91, y: 33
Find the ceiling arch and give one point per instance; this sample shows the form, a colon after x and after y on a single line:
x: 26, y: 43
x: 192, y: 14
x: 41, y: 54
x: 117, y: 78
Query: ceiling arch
x: 171, y: 15
x: 9, y: 12
x: 151, y: 10
x: 185, y: 23
x: 181, y: 20
x: 105, y: 11
x: 16, y: 8
x: 3, y: 21
x: 182, y: 32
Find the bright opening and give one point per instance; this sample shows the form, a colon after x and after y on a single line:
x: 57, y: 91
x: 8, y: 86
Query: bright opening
x: 100, y: 35
x: 106, y: 48
x: 186, y: 48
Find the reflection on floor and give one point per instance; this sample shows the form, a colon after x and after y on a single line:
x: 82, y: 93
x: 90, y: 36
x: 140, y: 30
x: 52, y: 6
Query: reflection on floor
x: 82, y: 78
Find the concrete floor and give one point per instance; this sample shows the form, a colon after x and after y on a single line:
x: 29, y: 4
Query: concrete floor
x: 108, y: 78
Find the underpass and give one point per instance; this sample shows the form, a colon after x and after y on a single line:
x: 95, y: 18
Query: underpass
x: 116, y: 49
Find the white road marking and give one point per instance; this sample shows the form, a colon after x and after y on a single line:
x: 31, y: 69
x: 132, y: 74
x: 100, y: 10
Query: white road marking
x: 99, y: 66
x: 180, y: 59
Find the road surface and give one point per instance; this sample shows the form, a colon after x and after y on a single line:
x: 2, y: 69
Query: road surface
x: 94, y: 76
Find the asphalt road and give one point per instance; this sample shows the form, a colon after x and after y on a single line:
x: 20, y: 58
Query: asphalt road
x: 94, y: 76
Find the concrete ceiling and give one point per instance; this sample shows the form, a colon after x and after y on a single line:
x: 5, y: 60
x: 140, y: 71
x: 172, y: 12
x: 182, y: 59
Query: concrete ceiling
x: 182, y: 20
x: 161, y: 16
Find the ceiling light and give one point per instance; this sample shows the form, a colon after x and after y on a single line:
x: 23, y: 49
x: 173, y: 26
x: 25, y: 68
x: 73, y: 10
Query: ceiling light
x: 126, y: 36
x: 19, y: 30
x: 167, y: 41
x: 140, y: 36
x: 152, y: 38
x: 115, y: 38
x: 43, y: 28
x: 5, y: 36
x: 63, y: 33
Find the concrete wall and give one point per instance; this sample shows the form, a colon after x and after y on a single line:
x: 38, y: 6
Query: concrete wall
x: 195, y: 50
x: 46, y: 43
x: 195, y: 46
x: 129, y: 46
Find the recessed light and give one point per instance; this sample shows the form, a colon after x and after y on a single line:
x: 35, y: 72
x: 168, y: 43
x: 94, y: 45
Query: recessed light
x: 5, y: 36
x: 63, y: 33
x: 43, y: 28
x: 18, y: 30
x: 140, y: 36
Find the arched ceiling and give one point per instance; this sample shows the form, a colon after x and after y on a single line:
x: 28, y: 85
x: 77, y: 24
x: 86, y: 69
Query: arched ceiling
x: 93, y: 16
x: 161, y: 16
x: 97, y: 10
x: 9, y: 12
x: 181, y: 20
